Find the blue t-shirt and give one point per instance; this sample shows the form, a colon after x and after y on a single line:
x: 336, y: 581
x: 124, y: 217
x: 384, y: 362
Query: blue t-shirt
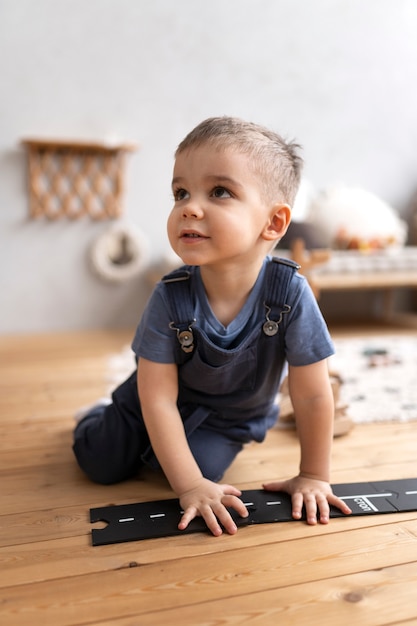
x: 307, y: 339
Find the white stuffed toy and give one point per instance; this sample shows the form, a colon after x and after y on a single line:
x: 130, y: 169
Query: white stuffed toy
x: 352, y: 218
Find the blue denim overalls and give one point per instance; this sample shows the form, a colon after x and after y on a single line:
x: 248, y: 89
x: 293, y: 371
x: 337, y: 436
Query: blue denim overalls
x: 227, y: 397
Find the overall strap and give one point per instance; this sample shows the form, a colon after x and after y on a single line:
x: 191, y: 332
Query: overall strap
x: 279, y: 275
x: 178, y: 289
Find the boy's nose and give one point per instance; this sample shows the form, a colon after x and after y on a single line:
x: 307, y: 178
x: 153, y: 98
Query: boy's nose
x: 192, y: 209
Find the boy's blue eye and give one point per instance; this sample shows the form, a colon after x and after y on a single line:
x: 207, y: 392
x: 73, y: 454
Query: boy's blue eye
x: 221, y: 192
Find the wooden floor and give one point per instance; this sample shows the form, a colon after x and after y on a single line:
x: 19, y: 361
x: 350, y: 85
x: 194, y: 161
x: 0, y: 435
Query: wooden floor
x: 360, y: 571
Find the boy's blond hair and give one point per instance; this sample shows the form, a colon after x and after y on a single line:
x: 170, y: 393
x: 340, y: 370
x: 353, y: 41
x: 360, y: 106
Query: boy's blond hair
x: 273, y: 159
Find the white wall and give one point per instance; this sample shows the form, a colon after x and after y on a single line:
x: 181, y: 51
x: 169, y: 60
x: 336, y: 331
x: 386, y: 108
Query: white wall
x: 339, y: 75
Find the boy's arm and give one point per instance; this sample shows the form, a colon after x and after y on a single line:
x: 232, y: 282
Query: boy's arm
x: 158, y: 392
x: 312, y: 399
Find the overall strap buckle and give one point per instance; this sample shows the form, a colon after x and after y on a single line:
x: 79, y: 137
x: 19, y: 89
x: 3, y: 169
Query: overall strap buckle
x: 185, y: 337
x: 280, y: 272
x: 178, y: 285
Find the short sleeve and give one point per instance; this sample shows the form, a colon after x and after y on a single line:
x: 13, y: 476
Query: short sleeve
x: 154, y: 339
x: 307, y: 338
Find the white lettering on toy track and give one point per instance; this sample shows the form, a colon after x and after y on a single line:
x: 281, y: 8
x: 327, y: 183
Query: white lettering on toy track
x: 363, y: 500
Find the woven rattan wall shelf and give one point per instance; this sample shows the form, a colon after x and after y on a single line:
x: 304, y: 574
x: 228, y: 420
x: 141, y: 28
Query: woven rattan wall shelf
x: 75, y: 179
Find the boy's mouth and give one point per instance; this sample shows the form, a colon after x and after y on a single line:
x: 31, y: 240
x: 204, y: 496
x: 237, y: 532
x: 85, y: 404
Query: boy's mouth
x: 191, y: 235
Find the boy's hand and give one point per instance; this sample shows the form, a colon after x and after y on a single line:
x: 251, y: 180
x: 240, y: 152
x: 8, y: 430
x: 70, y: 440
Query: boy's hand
x: 314, y: 494
x: 210, y: 500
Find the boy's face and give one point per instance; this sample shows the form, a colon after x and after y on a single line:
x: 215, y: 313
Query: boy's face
x: 219, y: 215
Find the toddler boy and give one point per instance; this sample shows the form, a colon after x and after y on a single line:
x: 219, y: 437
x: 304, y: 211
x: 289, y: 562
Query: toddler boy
x: 218, y: 336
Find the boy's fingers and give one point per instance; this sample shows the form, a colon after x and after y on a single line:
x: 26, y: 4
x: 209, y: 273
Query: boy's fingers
x: 229, y: 490
x: 210, y: 519
x: 212, y: 523
x: 297, y: 505
x: 218, y: 514
x: 208, y: 516
x: 188, y: 515
x: 310, y: 503
x: 223, y: 516
x: 340, y: 504
x: 212, y: 516
x: 236, y: 504
x: 276, y: 486
x: 324, y: 508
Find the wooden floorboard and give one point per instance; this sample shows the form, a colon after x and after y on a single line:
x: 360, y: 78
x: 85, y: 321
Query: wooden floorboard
x: 355, y: 569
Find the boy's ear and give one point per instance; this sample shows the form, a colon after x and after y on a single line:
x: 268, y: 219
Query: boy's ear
x: 278, y: 223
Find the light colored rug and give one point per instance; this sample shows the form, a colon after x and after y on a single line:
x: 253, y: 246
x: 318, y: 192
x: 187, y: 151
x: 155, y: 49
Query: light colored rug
x: 379, y: 377
x: 119, y: 367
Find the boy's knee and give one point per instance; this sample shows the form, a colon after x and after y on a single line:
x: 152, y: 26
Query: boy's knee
x: 98, y: 470
x: 103, y: 477
x: 99, y: 477
x: 103, y: 463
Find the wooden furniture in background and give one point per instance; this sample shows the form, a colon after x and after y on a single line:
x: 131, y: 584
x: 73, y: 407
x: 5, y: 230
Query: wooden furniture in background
x: 399, y: 270
x: 73, y: 179
x: 308, y: 259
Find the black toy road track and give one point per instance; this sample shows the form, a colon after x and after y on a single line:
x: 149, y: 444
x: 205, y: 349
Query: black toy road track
x: 147, y: 520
